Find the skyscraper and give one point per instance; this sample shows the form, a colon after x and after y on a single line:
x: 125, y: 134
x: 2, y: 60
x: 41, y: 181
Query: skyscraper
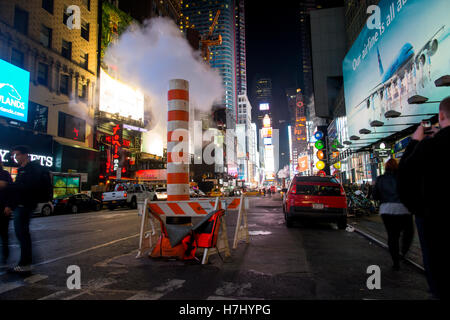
x: 263, y: 98
x: 200, y: 15
x: 241, y: 62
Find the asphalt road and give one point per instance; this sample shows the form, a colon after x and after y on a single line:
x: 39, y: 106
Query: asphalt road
x: 305, y: 262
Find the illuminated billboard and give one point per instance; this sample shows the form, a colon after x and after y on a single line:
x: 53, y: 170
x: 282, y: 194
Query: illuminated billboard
x: 117, y: 97
x: 264, y: 106
x: 400, y: 58
x: 14, y: 90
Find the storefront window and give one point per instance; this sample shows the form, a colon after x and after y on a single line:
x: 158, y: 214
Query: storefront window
x: 71, y: 127
x: 65, y: 185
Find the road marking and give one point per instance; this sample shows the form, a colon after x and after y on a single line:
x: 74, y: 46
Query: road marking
x: 160, y: 291
x: 93, y: 285
x: 53, y: 295
x: 230, y: 288
x: 35, y: 278
x: 10, y: 286
x: 81, y: 251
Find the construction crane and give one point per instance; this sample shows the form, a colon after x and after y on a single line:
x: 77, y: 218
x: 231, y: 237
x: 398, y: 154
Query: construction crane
x: 207, y: 40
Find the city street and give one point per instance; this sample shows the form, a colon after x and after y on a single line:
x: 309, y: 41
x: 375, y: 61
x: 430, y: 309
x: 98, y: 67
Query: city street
x: 304, y: 262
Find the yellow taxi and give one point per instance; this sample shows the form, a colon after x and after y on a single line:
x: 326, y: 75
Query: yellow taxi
x: 252, y: 192
x: 215, y: 193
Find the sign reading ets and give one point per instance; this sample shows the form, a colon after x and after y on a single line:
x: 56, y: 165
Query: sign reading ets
x: 14, y: 89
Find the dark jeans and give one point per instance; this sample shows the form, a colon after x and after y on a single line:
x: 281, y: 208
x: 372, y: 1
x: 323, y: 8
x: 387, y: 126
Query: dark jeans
x: 22, y: 217
x: 395, y: 226
x: 433, y: 239
x: 4, y: 226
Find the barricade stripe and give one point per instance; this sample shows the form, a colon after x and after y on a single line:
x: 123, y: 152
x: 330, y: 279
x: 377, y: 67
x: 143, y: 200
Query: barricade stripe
x: 181, y: 197
x: 179, y: 115
x: 178, y: 178
x: 197, y: 208
x: 176, y: 208
x: 234, y: 204
x: 176, y: 136
x: 178, y: 94
x: 155, y: 208
x: 180, y: 158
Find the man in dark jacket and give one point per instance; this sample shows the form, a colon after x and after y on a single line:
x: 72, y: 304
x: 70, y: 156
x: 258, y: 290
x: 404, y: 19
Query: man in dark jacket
x: 424, y: 189
x: 22, y: 200
x: 5, y: 180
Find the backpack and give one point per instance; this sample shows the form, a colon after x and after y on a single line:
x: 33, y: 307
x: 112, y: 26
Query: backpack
x: 45, y: 190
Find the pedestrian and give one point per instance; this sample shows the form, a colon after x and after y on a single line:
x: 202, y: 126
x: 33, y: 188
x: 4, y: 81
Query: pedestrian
x: 396, y: 217
x: 264, y: 191
x: 423, y: 188
x: 22, y: 200
x: 5, y: 180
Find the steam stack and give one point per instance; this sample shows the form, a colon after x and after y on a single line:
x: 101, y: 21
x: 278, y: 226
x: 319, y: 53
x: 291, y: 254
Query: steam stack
x: 178, y: 144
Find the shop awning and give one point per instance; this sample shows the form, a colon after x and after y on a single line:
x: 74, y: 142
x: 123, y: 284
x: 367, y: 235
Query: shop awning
x: 73, y: 145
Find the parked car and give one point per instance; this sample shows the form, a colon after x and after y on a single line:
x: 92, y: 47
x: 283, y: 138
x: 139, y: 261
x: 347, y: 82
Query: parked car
x: 314, y: 197
x: 44, y: 209
x: 161, y: 193
x: 127, y: 195
x: 196, y: 193
x: 76, y: 203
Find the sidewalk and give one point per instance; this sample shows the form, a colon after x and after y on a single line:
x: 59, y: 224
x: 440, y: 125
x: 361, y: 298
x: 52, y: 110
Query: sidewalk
x: 373, y: 225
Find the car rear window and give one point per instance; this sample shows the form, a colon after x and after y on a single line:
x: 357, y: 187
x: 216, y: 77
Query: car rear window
x: 317, y: 190
x: 161, y: 190
x: 316, y: 179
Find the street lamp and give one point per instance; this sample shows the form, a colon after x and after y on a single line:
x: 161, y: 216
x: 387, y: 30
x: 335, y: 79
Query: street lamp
x: 377, y: 123
x: 367, y: 131
x: 443, y: 81
x: 417, y: 99
x: 395, y: 114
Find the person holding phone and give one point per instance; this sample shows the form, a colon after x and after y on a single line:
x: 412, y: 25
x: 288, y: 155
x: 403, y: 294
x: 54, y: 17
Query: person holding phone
x: 423, y: 187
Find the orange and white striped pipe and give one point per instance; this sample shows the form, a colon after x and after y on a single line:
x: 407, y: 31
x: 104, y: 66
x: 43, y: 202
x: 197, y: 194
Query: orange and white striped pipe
x: 178, y: 141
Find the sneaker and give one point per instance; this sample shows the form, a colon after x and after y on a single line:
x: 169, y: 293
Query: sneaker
x: 22, y: 269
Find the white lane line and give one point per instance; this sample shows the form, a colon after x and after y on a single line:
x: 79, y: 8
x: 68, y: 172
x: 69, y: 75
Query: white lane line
x: 160, y: 291
x: 86, y: 250
x: 5, y: 287
x: 94, y: 285
x: 53, y: 295
x: 35, y: 278
x: 81, y: 251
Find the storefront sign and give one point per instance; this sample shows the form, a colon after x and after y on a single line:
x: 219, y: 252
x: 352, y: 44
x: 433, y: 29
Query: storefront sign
x: 14, y: 90
x: 152, y: 175
x: 8, y: 160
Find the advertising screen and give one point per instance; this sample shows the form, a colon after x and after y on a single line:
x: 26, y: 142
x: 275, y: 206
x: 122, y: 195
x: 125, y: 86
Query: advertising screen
x: 395, y: 59
x: 264, y: 106
x: 14, y: 90
x: 117, y: 97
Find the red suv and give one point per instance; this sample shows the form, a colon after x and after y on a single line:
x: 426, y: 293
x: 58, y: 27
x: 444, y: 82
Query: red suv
x: 314, y: 197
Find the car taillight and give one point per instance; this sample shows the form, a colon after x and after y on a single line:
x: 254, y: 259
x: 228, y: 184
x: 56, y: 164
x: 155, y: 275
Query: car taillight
x: 63, y: 201
x: 294, y: 189
x: 125, y: 194
x: 342, y: 192
x: 103, y: 197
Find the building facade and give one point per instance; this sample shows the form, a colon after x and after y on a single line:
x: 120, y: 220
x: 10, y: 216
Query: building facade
x: 62, y: 63
x: 200, y: 16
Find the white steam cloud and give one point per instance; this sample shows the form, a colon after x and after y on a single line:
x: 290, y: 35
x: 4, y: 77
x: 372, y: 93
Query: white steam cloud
x: 149, y: 56
x: 284, y: 173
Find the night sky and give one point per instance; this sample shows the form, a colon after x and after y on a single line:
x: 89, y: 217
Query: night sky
x: 273, y: 45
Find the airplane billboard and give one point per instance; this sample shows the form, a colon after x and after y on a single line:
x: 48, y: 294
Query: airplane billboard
x: 14, y: 90
x: 401, y: 55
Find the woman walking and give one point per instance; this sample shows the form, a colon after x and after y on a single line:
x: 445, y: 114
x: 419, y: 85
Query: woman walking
x: 397, y: 219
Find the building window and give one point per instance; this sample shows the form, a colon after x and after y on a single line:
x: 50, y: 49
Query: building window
x: 21, y: 20
x: 65, y: 15
x: 85, y: 30
x: 84, y: 60
x: 17, y: 58
x: 71, y: 127
x: 83, y: 92
x: 66, y: 49
x: 46, y: 36
x: 48, y: 5
x: 87, y: 4
x: 38, y: 117
x: 42, y: 76
x: 64, y: 84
